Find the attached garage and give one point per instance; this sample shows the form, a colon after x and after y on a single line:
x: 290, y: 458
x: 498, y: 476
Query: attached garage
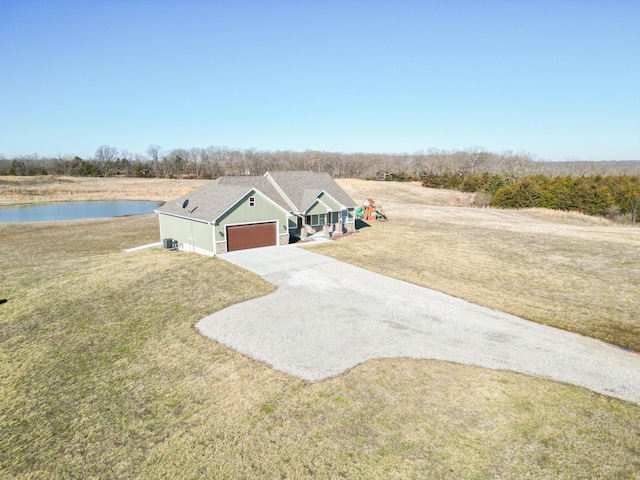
x: 241, y: 237
x: 242, y: 212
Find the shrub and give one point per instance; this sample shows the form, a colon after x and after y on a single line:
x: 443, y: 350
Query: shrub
x: 610, y: 196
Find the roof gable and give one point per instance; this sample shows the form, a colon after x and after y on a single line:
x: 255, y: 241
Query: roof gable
x: 318, y: 207
x: 323, y: 197
x: 303, y: 187
x: 291, y: 191
x: 251, y: 192
x: 262, y: 184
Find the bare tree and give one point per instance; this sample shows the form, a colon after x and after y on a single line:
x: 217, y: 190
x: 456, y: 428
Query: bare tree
x: 436, y: 160
x: 176, y: 162
x: 516, y: 165
x: 61, y: 165
x: 217, y: 157
x: 106, y: 156
x: 153, y: 152
x: 126, y: 158
x: 474, y: 159
x: 201, y: 158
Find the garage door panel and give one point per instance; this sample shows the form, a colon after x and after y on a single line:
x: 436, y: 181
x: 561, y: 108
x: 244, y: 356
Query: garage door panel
x: 241, y: 237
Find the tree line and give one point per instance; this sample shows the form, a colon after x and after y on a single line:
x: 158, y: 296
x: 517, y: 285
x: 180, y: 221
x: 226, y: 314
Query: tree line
x: 216, y: 161
x: 613, y: 196
x: 506, y: 180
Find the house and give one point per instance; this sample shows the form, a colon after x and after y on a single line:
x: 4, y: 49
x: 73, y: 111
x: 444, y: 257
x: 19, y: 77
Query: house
x: 235, y: 213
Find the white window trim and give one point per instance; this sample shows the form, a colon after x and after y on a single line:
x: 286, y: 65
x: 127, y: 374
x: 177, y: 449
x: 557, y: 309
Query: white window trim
x: 329, y: 218
x: 317, y: 215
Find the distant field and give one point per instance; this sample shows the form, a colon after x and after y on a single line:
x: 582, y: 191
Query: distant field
x: 43, y: 189
x: 103, y: 375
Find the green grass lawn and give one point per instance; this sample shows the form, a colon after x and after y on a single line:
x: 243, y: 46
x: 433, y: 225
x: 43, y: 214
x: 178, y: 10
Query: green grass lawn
x: 103, y: 375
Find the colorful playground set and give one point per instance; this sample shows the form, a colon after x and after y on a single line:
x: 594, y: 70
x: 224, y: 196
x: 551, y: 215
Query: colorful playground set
x: 370, y: 211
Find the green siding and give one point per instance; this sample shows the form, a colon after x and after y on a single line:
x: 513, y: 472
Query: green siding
x: 330, y: 202
x: 202, y: 235
x: 317, y: 208
x: 264, y: 210
x: 182, y: 229
x: 293, y: 223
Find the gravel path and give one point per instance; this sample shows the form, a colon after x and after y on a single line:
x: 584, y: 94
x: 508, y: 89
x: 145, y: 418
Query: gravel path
x: 328, y: 316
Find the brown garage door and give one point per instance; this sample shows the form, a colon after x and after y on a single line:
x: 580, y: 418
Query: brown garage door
x: 240, y: 237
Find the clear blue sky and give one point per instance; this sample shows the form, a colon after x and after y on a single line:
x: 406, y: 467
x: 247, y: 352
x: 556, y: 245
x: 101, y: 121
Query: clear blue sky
x: 558, y: 79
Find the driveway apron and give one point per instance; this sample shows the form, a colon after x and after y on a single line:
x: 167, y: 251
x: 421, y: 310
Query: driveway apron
x: 328, y: 316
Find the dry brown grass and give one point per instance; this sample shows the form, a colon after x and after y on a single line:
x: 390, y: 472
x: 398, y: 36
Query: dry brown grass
x: 103, y: 375
x: 405, y: 193
x: 46, y: 189
x: 571, y: 271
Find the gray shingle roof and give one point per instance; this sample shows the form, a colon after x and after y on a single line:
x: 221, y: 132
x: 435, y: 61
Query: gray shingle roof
x: 209, y: 201
x: 303, y: 187
x: 260, y: 183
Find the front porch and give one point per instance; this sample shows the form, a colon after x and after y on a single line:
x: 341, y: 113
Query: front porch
x: 327, y: 224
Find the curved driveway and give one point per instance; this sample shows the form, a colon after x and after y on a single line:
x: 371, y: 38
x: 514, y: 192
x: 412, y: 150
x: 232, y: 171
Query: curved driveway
x: 328, y: 316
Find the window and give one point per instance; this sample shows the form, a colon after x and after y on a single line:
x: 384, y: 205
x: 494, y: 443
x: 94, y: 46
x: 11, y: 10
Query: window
x: 335, y: 216
x: 252, y: 201
x: 316, y: 220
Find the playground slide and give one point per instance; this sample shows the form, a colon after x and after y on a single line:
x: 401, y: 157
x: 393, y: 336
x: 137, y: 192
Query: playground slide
x: 359, y: 213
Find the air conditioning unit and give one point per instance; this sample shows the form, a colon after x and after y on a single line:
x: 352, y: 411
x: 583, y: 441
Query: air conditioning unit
x: 167, y: 243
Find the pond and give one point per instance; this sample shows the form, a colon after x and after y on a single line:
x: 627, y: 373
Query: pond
x: 76, y: 210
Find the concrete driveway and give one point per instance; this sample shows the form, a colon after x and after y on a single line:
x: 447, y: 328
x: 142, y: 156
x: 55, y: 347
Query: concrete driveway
x: 328, y: 316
